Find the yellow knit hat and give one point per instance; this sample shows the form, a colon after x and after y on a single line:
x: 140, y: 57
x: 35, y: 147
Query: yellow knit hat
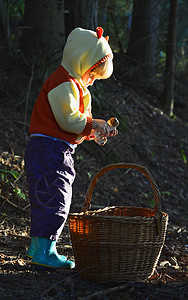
x: 84, y: 50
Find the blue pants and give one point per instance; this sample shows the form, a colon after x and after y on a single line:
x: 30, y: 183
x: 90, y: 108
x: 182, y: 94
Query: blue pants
x: 50, y: 172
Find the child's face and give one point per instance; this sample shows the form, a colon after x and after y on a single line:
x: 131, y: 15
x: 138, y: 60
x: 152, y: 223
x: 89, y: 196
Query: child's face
x: 89, y: 78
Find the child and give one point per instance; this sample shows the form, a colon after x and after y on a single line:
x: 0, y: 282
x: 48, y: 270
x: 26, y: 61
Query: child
x: 62, y: 119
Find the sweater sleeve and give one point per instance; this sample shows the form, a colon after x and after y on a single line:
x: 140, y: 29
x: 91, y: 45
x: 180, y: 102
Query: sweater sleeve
x: 64, y: 102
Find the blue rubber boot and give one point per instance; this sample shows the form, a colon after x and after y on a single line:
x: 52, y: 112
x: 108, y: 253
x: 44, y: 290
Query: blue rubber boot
x: 31, y: 250
x: 46, y: 256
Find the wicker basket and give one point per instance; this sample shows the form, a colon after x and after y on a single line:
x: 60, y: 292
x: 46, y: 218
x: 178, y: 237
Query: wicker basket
x: 118, y: 243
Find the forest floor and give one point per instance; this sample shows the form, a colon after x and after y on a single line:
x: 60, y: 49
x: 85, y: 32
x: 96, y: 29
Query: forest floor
x: 146, y: 137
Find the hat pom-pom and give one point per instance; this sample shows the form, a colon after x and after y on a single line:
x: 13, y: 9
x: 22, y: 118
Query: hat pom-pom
x: 99, y: 32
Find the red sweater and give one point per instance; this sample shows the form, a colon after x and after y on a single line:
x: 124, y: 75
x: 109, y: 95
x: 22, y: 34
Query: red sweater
x: 42, y: 118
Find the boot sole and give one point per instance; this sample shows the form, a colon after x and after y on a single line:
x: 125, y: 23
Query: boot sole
x: 37, y: 266
x: 42, y: 267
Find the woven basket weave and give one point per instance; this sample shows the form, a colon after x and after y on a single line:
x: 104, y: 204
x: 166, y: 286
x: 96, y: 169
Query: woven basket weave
x: 118, y: 243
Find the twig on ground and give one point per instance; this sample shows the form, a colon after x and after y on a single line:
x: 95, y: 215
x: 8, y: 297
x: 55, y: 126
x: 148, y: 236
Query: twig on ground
x: 19, y: 176
x: 20, y: 237
x: 105, y: 292
x: 20, y: 122
x: 13, y: 226
x: 60, y: 281
x: 11, y: 203
x: 26, y: 207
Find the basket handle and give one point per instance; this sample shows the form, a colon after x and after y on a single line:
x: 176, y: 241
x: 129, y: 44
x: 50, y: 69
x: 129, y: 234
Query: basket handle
x: 87, y: 202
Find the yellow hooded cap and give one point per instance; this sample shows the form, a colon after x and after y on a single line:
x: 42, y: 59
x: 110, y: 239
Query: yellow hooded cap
x: 83, y: 49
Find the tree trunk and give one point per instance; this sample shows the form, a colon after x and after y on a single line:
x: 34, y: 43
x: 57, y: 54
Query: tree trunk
x: 3, y: 30
x: 142, y: 47
x: 168, y: 95
x: 80, y: 13
x: 43, y: 38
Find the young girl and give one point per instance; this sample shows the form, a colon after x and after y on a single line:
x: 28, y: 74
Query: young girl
x: 62, y: 119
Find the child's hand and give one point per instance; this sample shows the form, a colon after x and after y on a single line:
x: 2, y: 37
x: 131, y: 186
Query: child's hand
x: 101, y: 141
x: 104, y: 129
x: 102, y: 126
x: 113, y: 132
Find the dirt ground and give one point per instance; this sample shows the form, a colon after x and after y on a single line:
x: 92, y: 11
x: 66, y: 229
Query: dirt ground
x: 146, y: 137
